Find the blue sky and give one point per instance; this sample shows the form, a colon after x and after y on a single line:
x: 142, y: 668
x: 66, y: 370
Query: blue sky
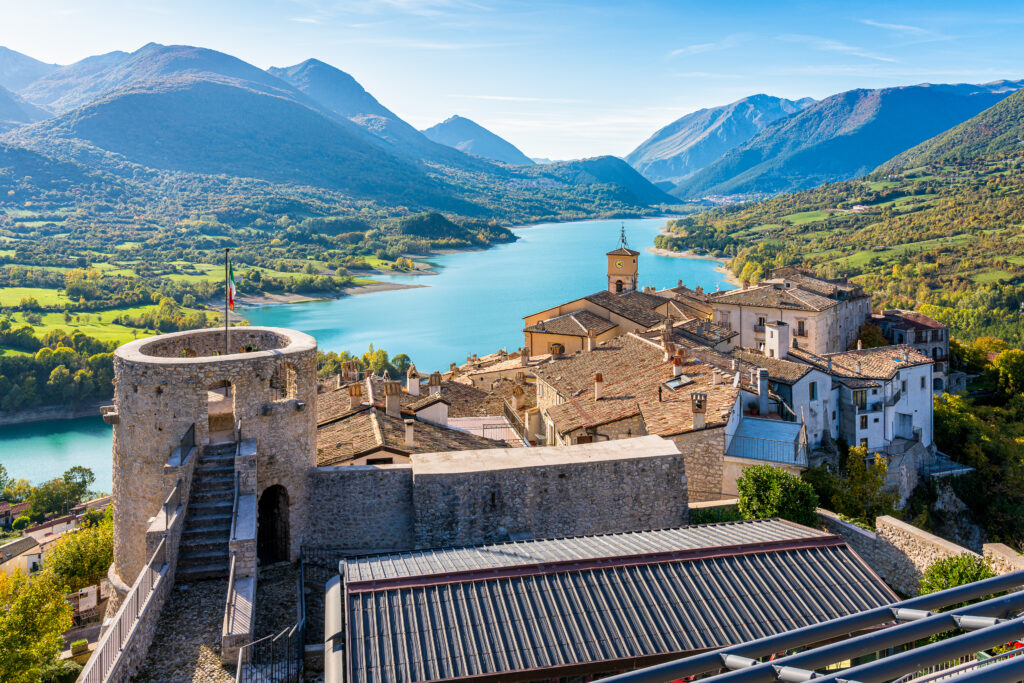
x: 559, y: 79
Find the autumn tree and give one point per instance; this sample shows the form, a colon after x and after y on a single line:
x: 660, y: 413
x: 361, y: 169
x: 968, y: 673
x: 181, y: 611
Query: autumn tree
x: 34, y: 614
x: 81, y: 558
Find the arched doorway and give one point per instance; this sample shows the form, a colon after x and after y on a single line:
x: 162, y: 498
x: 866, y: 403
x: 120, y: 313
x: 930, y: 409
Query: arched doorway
x: 272, y: 532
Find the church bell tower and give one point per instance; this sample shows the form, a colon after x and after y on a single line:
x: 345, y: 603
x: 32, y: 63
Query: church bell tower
x: 622, y: 267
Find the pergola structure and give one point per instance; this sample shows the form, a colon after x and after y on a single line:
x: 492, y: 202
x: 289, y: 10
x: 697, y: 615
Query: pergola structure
x: 892, y: 633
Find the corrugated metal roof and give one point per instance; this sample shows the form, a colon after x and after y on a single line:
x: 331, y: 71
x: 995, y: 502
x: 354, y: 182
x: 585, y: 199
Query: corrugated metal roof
x: 543, y: 623
x: 448, y: 560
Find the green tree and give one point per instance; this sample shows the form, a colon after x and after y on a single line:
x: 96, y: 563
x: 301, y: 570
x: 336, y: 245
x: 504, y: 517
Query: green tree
x: 860, y: 494
x: 1010, y: 366
x: 766, y: 491
x: 77, y: 481
x: 4, y: 481
x: 870, y: 336
x: 81, y: 558
x: 18, y: 490
x: 33, y: 616
x: 951, y: 572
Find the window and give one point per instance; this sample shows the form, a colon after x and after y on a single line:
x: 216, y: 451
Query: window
x: 863, y: 421
x: 813, y: 391
x: 618, y: 286
x: 723, y: 319
x: 903, y: 386
x: 557, y: 350
x: 922, y: 381
x: 864, y: 443
x: 380, y: 461
x: 860, y: 399
x: 801, y: 329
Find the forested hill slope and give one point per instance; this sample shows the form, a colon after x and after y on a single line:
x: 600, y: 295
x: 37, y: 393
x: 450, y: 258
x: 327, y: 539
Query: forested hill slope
x: 840, y: 137
x: 998, y: 131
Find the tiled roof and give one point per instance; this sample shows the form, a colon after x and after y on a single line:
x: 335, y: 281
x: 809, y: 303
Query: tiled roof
x: 835, y: 288
x: 620, y: 306
x: 643, y: 300
x: 576, y: 324
x: 772, y: 296
x: 880, y: 363
x: 907, y: 320
x: 371, y: 430
x: 779, y: 369
x: 467, y: 400
x: 17, y: 547
x: 616, y: 358
x: 623, y: 251
x: 426, y: 402
x: 694, y: 331
x: 553, y: 608
x: 634, y: 378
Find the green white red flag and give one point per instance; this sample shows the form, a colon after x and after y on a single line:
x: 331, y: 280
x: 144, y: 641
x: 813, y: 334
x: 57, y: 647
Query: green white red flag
x: 231, y: 286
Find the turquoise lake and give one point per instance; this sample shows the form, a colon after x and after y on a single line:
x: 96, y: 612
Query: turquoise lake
x: 474, y: 305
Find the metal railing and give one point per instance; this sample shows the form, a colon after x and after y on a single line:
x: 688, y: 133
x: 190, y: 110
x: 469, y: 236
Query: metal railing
x: 758, y: 329
x: 499, y: 431
x: 513, y: 419
x: 957, y: 666
x: 769, y: 450
x: 234, y: 508
x: 278, y: 657
x: 873, y: 407
x: 114, y: 642
x: 171, y: 504
x: 229, y: 606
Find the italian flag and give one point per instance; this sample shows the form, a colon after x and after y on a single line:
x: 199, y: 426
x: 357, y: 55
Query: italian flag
x: 231, y: 287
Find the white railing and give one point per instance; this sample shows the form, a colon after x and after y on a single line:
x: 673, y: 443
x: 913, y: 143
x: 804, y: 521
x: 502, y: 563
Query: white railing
x: 116, y: 640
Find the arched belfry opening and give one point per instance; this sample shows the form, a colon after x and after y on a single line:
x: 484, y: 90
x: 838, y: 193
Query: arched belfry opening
x: 272, y: 529
x: 220, y: 410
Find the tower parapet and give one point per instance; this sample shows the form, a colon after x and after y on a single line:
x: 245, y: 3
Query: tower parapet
x: 163, y: 385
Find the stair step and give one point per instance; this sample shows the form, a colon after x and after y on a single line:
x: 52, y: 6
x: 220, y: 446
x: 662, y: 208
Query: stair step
x: 213, y: 484
x: 199, y: 559
x: 203, y: 534
x: 210, y: 507
x: 203, y: 545
x: 207, y: 571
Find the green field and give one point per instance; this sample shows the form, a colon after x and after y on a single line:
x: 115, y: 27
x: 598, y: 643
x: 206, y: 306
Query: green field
x: 987, y: 276
x: 12, y: 296
x: 861, y: 258
x: 802, y: 217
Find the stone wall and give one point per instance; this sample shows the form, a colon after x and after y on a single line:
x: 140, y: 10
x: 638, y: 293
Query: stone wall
x: 704, y: 454
x: 361, y: 508
x: 471, y: 497
x: 1003, y: 558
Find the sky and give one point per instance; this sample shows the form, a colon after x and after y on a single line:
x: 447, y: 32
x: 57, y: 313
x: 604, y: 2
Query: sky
x: 559, y: 80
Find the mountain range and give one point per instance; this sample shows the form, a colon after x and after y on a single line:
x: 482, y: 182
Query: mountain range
x: 836, y: 138
x: 694, y: 141
x: 472, y: 138
x: 187, y: 109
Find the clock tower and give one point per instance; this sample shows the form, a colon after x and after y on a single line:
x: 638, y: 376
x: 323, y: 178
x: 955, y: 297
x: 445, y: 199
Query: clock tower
x: 622, y: 267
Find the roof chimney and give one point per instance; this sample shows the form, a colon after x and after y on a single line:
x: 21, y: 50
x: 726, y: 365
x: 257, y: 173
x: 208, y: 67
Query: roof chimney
x: 906, y: 355
x: 858, y: 367
x: 670, y: 350
x: 412, y: 381
x: 434, y: 383
x: 524, y: 356
x: 699, y: 405
x: 598, y: 386
x: 392, y: 403
x: 716, y: 377
x: 677, y: 366
x: 734, y: 365
x: 860, y: 345
x: 591, y: 340
x: 410, y: 437
x: 679, y: 284
x: 355, y: 395
x: 518, y: 393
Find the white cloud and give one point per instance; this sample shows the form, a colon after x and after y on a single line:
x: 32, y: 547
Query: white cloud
x: 901, y: 28
x: 829, y: 45
x: 723, y: 44
x: 306, y: 20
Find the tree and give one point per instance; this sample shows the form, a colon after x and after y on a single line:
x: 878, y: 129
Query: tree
x: 33, y: 616
x: 17, y: 490
x: 861, y: 495
x: 77, y: 480
x: 81, y: 558
x: 4, y: 481
x: 870, y: 336
x: 766, y: 491
x: 1010, y: 366
x: 951, y: 572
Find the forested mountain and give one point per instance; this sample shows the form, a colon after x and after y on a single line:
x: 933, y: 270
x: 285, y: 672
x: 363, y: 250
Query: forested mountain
x: 68, y: 86
x: 341, y: 94
x: 472, y: 138
x: 610, y: 171
x: 994, y: 133
x: 14, y: 111
x: 840, y: 137
x: 690, y: 143
x: 18, y: 70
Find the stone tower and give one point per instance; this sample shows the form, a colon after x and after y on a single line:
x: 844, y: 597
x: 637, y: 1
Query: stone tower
x: 623, y: 271
x: 264, y: 388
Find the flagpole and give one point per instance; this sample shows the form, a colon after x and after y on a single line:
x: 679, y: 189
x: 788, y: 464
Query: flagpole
x: 227, y: 295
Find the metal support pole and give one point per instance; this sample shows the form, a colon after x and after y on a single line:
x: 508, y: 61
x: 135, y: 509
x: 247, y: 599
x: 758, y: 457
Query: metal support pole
x: 227, y: 323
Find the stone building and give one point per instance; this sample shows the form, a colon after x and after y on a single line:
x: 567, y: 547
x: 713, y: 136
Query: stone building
x: 928, y: 336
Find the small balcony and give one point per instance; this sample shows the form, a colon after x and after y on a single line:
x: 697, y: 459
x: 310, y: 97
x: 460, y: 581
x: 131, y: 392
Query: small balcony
x: 872, y: 407
x: 758, y: 329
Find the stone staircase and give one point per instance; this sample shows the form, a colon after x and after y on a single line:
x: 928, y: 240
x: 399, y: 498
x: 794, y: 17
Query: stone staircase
x: 203, y: 553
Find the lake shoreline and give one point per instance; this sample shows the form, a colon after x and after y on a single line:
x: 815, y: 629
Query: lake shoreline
x: 48, y: 413
x: 729, y: 277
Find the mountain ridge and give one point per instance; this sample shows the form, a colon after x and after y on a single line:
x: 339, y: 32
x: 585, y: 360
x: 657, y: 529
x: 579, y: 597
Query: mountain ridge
x: 17, y: 70
x: 470, y: 137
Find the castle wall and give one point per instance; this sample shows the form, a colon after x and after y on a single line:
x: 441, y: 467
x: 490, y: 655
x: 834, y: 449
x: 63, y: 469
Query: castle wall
x: 704, y: 454
x: 161, y: 388
x: 471, y: 497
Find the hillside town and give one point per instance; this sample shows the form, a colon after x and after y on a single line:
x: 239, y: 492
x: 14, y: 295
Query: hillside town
x: 615, y: 443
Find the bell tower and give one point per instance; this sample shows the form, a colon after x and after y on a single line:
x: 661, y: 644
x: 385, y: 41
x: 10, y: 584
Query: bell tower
x: 622, y: 267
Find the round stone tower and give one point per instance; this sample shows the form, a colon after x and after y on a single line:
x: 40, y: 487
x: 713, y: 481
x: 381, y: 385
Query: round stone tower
x: 265, y: 385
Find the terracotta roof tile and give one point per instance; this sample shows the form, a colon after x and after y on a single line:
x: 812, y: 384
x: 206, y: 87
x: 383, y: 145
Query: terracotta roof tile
x: 620, y: 306
x: 779, y: 369
x: 880, y: 363
x: 576, y: 324
x: 771, y: 296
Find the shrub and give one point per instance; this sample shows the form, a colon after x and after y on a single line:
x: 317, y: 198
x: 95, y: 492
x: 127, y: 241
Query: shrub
x: 951, y: 572
x: 20, y: 523
x: 767, y: 491
x: 715, y: 515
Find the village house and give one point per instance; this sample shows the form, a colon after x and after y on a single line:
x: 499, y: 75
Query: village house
x: 928, y: 336
x: 824, y: 315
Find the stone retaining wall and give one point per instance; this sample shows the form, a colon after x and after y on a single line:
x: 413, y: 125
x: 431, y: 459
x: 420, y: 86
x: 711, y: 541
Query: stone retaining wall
x: 900, y: 552
x: 361, y: 507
